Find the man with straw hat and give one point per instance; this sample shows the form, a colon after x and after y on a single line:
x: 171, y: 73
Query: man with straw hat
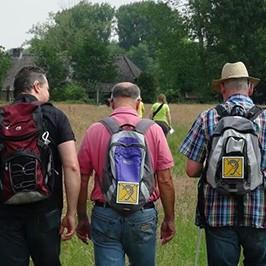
x: 233, y: 71
x: 230, y: 221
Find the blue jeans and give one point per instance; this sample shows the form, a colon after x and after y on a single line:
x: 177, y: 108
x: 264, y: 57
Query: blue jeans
x: 30, y: 235
x: 224, y: 246
x: 115, y: 235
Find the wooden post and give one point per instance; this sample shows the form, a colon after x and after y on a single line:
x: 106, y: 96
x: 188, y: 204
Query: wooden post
x: 97, y: 95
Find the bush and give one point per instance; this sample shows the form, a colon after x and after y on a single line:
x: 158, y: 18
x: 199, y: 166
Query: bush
x: 69, y: 92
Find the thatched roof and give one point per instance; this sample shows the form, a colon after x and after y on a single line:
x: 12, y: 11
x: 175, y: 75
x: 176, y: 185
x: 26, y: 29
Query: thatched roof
x: 126, y: 69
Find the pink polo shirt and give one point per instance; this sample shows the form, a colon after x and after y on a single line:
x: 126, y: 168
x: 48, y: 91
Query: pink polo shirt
x: 94, y: 147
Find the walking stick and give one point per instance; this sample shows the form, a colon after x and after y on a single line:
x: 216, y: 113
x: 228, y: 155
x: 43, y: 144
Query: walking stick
x: 198, y: 246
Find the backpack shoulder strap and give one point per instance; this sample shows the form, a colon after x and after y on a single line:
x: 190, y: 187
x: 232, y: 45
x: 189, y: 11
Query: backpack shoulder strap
x: 222, y: 112
x: 254, y: 112
x: 2, y: 111
x: 157, y: 110
x: 38, y: 116
x: 111, y: 125
x: 143, y: 125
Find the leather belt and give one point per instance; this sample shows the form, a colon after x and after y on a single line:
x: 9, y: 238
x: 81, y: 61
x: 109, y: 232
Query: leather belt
x: 148, y: 205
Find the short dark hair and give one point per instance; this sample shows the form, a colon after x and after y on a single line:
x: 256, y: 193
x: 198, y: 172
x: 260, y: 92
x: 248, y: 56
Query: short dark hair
x: 26, y: 77
x: 126, y: 89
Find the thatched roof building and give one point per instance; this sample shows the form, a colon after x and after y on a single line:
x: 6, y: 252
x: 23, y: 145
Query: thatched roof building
x: 19, y: 59
x: 125, y: 68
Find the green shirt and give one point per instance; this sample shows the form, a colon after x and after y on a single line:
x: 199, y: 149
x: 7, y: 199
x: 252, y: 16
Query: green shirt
x: 161, y: 115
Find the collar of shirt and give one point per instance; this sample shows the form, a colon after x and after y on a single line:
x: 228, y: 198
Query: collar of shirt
x: 125, y: 110
x: 24, y: 97
x: 239, y: 98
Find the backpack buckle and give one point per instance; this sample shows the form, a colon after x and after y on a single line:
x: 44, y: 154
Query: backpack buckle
x: 45, y: 138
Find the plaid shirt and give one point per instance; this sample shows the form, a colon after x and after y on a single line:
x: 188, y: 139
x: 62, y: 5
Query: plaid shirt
x: 221, y: 210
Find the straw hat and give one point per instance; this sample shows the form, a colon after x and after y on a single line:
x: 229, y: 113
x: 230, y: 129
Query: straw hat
x: 233, y: 71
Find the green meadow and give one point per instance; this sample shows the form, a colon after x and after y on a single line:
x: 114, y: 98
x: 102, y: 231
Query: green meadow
x: 182, y: 249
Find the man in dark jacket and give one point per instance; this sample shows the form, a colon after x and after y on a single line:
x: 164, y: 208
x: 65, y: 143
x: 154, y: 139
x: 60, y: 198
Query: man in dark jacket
x: 33, y: 229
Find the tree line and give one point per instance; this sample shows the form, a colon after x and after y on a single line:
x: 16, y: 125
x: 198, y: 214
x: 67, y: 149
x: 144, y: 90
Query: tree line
x: 179, y: 45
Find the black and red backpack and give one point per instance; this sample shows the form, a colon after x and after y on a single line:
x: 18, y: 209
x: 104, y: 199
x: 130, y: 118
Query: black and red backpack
x: 26, y: 163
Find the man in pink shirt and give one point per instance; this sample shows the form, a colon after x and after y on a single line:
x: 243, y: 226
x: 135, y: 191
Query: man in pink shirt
x: 113, y: 233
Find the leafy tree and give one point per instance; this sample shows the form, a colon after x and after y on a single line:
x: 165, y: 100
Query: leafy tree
x: 179, y: 66
x: 156, y: 40
x: 133, y: 24
x: 227, y: 31
x: 135, y: 32
x: 73, y: 44
x: 92, y: 62
x: 115, y: 49
x: 148, y: 87
x: 140, y: 55
x: 55, y: 61
x: 70, y: 91
x: 5, y: 63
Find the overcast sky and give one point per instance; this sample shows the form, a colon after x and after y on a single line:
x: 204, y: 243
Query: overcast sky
x: 18, y: 16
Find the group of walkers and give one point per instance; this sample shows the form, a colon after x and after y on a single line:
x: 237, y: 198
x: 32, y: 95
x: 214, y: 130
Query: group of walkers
x: 131, y: 165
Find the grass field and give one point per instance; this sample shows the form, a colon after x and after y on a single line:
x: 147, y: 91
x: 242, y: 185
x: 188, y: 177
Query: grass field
x: 181, y: 250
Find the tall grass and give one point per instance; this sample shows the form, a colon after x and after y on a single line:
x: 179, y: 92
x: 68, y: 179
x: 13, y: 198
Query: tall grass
x: 181, y: 250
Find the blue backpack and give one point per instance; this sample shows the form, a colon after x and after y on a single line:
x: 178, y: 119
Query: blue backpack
x: 128, y: 178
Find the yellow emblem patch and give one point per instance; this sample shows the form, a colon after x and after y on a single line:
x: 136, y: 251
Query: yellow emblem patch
x: 127, y: 193
x: 233, y: 167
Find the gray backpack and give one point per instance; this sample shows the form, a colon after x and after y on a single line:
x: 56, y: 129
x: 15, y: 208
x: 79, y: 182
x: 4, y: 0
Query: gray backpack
x: 234, y: 159
x: 128, y: 178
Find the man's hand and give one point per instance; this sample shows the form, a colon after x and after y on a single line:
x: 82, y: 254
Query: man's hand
x: 167, y: 231
x: 67, y: 227
x: 83, y: 230
x: 167, y: 194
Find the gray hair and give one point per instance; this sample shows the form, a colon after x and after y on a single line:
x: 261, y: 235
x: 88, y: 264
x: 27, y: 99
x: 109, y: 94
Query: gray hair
x: 236, y: 84
x: 126, y: 89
